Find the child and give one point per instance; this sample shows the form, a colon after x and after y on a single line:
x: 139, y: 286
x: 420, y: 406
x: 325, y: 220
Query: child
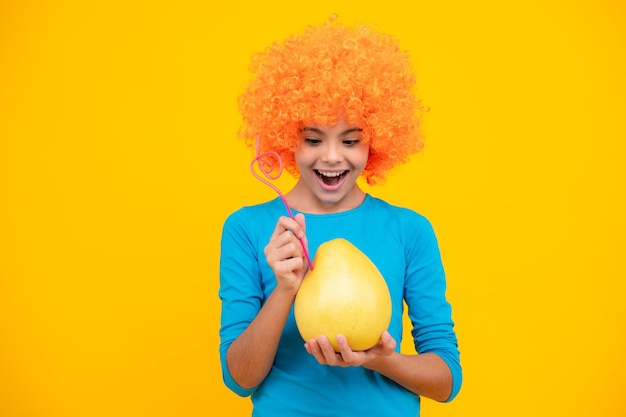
x: 336, y: 103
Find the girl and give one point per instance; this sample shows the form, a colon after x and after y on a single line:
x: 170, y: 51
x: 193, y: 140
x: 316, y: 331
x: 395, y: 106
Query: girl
x: 336, y: 103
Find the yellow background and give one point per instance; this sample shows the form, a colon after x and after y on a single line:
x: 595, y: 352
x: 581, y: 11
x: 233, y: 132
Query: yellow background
x: 119, y: 162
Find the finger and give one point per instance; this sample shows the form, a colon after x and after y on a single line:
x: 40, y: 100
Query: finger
x: 286, y: 267
x: 314, y: 349
x: 285, y: 223
x: 332, y: 357
x: 283, y: 246
x: 347, y: 354
x: 344, y: 347
x: 388, y: 342
x: 299, y: 218
x: 287, y: 248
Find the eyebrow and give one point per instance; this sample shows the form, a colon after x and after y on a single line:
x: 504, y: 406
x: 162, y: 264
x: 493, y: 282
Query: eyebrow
x: 320, y: 132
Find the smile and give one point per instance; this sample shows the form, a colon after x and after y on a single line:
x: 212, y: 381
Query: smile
x: 331, y: 177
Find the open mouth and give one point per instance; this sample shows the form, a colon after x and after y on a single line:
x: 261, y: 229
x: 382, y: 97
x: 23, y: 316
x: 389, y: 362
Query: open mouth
x: 331, y: 177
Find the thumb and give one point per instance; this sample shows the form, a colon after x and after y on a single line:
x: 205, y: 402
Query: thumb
x: 299, y: 218
x: 388, y: 341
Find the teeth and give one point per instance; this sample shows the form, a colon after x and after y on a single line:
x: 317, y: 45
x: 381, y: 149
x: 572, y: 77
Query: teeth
x: 331, y: 173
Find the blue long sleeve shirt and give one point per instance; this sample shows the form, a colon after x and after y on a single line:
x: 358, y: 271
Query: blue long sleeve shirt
x: 403, y: 246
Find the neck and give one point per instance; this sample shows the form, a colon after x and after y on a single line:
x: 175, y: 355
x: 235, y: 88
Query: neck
x: 302, y: 199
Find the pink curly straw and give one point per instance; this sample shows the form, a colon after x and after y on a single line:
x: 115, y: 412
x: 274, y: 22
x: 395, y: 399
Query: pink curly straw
x: 267, y: 168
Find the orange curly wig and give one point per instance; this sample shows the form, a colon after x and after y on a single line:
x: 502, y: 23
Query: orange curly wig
x: 327, y: 72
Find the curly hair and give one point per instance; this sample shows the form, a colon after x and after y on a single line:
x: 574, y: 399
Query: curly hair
x: 330, y: 71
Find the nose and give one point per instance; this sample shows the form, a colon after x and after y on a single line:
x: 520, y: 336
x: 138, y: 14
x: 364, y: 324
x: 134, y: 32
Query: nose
x: 332, y: 153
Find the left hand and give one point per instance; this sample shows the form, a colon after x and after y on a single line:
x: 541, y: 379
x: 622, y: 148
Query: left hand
x: 324, y: 353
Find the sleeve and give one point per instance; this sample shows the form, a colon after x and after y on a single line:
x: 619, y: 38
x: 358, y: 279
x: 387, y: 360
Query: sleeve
x: 428, y: 309
x: 240, y: 290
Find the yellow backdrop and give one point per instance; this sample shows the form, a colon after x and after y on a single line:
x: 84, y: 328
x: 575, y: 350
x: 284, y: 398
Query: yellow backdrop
x: 119, y: 162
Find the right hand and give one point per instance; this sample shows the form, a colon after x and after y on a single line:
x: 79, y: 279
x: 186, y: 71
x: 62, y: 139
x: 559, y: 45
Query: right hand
x: 284, y: 252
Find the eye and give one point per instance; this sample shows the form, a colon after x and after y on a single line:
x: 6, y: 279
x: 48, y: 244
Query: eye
x: 312, y: 141
x: 351, y: 142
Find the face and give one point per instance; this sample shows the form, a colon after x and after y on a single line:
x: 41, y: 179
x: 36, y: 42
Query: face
x: 330, y: 159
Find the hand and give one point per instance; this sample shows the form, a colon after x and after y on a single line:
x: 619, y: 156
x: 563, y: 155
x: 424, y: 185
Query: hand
x: 323, y: 351
x: 284, y: 252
